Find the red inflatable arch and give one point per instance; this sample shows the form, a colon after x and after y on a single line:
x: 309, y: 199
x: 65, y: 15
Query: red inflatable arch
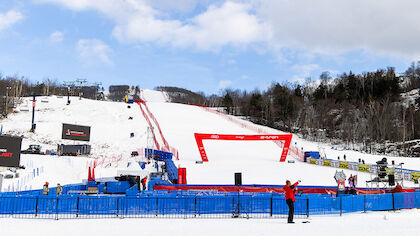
x: 287, y: 138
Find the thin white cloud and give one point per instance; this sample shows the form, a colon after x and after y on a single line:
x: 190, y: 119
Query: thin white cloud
x: 56, y: 37
x: 93, y: 50
x: 171, y: 5
x: 231, y: 23
x: 322, y: 27
x: 9, y: 18
x: 244, y: 77
x: 224, y: 84
x: 305, y: 68
x: 334, y: 27
x: 304, y: 71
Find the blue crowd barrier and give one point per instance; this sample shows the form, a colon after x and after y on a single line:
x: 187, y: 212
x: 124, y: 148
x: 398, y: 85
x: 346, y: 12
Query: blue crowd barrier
x: 193, y: 204
x: 171, y: 170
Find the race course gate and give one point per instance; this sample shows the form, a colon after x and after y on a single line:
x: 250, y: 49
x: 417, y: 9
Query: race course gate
x: 287, y: 138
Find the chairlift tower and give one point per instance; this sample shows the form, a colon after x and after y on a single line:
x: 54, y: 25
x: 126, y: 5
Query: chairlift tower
x: 150, y: 142
x: 69, y: 85
x: 97, y: 86
x: 81, y: 82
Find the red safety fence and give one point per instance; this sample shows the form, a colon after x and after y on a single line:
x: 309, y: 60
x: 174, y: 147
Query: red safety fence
x: 267, y: 189
x: 293, y: 150
x: 148, y: 122
x: 287, y: 138
x: 148, y: 115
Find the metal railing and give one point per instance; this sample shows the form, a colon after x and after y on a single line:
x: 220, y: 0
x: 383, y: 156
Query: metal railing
x: 72, y: 207
x: 192, y: 205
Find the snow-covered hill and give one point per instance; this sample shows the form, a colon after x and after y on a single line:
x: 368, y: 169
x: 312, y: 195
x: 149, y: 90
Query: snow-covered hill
x: 112, y: 144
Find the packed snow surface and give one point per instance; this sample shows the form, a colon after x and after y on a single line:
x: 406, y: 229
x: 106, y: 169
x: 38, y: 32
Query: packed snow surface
x: 372, y: 223
x: 111, y: 144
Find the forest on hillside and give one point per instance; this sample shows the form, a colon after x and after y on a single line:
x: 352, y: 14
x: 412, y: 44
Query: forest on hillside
x: 375, y: 112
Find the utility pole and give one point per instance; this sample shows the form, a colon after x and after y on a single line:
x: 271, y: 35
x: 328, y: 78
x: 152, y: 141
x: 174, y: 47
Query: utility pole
x: 33, y: 115
x: 48, y: 88
x: 68, y: 95
x: 7, y: 99
x: 97, y: 85
x: 81, y: 81
x: 68, y: 85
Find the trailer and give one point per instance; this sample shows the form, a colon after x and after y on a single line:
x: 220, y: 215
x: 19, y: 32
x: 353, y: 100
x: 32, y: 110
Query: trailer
x: 73, y: 150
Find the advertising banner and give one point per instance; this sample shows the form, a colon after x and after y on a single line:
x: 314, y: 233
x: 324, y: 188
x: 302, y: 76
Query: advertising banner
x: 353, y: 166
x: 313, y: 161
x: 10, y: 151
x: 327, y: 162
x: 335, y: 163
x: 364, y: 168
x: 407, y: 175
x: 415, y: 175
x: 344, y: 165
x: 76, y: 132
x: 373, y: 169
x: 287, y: 138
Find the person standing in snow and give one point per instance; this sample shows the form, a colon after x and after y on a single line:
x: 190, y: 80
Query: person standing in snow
x: 59, y: 189
x: 351, y: 181
x: 289, y: 193
x: 45, y: 189
x: 144, y: 182
x: 138, y: 183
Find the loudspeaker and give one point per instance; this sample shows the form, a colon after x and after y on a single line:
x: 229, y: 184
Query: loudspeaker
x: 391, y: 180
x: 238, y: 179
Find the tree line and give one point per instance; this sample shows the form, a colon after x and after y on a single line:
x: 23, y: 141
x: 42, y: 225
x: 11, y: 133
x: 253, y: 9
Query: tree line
x: 13, y: 88
x: 364, y: 111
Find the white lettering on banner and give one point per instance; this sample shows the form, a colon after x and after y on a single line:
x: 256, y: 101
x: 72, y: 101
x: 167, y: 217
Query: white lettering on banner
x: 3, y: 149
x: 240, y: 137
x: 269, y: 137
x: 214, y: 136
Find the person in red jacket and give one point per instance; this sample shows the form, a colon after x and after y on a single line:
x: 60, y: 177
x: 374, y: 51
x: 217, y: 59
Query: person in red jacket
x: 144, y: 183
x: 289, y: 193
x: 397, y: 189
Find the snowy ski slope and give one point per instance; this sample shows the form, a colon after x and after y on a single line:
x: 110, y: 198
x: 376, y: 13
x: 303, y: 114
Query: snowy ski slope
x: 112, y: 145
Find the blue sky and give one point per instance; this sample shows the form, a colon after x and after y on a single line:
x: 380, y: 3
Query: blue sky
x: 204, y: 45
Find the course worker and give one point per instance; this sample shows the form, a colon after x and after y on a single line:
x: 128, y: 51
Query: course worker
x: 289, y: 193
x: 45, y: 189
x: 59, y: 189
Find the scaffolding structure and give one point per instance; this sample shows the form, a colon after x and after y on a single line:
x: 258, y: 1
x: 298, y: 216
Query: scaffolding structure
x: 385, y: 176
